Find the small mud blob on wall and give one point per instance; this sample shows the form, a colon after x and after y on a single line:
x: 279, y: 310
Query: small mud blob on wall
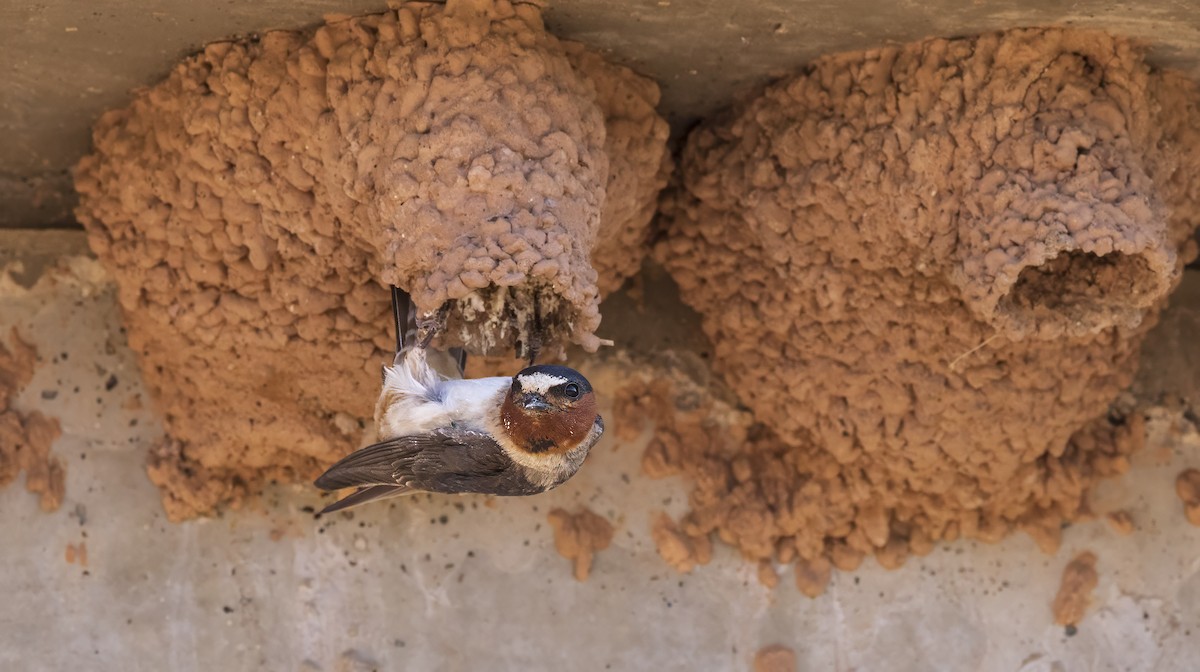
x: 579, y: 536
x: 254, y: 206
x: 1079, y: 579
x: 1187, y: 486
x: 926, y: 269
x: 775, y: 658
x: 26, y: 438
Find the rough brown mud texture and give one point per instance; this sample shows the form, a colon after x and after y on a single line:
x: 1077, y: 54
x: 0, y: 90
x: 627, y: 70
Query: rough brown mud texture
x: 926, y: 270
x: 1079, y: 579
x: 26, y: 438
x: 579, y: 536
x: 775, y: 658
x: 254, y: 206
x: 677, y: 548
x: 1121, y: 522
x: 1187, y: 486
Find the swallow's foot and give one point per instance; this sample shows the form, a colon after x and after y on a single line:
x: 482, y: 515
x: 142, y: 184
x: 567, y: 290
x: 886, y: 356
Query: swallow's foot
x: 429, y: 326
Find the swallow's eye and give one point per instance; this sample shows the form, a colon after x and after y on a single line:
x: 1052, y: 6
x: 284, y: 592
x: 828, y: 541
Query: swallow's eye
x: 571, y: 390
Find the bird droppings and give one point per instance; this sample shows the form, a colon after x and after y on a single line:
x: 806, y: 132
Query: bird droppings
x: 1187, y: 486
x: 1079, y: 579
x: 26, y: 438
x: 775, y: 658
x: 253, y: 207
x: 926, y: 270
x: 579, y: 536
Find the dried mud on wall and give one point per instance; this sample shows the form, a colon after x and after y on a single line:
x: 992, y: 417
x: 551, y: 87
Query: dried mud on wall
x: 926, y: 270
x: 26, y: 438
x: 254, y: 206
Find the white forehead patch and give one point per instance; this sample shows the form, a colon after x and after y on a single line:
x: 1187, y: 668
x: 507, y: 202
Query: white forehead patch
x: 539, y: 382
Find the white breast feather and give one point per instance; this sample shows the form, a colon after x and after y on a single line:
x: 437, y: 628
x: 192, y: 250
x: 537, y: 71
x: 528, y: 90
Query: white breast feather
x: 418, y: 400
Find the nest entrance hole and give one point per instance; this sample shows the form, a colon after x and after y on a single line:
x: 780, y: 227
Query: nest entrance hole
x: 1084, y: 287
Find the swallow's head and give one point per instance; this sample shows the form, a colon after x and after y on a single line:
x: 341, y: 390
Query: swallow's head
x: 549, y: 409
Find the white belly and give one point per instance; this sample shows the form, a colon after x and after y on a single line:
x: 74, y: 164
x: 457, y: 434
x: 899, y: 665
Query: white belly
x: 465, y: 403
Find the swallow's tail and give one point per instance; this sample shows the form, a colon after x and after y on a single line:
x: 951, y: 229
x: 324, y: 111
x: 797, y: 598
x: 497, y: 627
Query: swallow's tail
x: 364, y: 495
x: 404, y: 317
x: 460, y: 358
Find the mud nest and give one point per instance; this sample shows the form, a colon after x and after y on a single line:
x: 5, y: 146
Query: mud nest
x: 255, y: 205
x: 926, y: 270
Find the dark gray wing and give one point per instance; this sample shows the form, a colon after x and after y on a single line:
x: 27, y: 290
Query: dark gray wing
x: 372, y: 465
x: 447, y: 460
x: 363, y: 495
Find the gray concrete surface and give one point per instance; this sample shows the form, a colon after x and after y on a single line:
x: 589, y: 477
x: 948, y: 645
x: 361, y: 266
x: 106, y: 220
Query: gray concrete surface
x: 449, y: 583
x: 63, y: 63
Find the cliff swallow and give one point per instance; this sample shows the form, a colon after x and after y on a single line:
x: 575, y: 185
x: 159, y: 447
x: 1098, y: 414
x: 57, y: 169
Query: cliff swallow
x: 508, y: 436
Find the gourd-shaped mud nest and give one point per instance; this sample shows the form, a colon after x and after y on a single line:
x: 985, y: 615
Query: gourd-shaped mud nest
x: 926, y: 269
x: 254, y: 207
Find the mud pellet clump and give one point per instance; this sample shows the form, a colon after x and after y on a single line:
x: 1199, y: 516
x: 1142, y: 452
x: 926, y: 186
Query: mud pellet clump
x: 926, y: 269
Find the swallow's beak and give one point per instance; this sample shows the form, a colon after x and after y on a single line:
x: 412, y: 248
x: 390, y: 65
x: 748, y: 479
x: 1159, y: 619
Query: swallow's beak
x: 534, y: 402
